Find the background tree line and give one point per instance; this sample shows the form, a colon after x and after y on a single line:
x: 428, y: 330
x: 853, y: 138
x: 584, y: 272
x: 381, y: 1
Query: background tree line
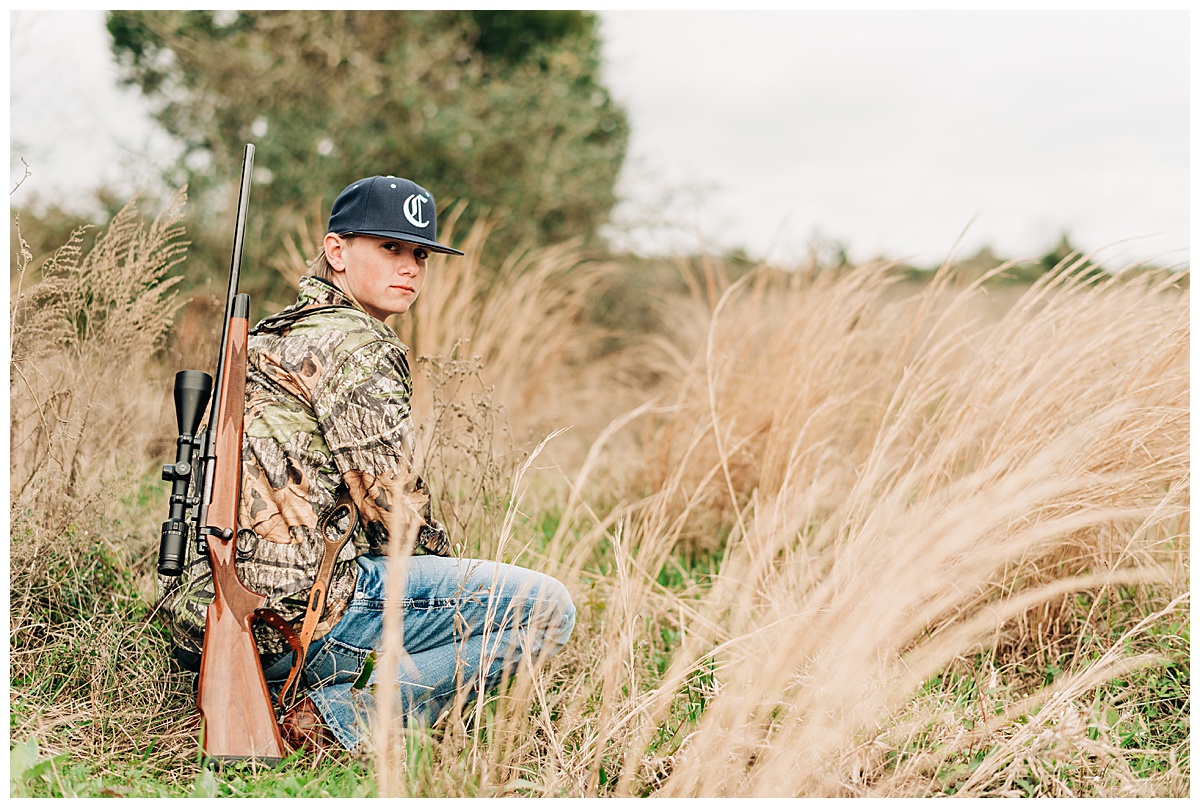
x: 501, y: 113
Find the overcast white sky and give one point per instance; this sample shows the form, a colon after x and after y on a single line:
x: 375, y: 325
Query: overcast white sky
x: 889, y: 131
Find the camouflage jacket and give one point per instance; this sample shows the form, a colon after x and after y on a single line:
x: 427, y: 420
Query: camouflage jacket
x: 327, y: 407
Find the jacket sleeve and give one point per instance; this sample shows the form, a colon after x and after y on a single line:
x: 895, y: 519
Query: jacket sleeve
x: 363, y: 410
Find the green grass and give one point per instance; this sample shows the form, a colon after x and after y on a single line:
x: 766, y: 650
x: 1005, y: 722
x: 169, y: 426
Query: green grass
x: 117, y: 653
x: 88, y: 635
x: 1145, y: 712
x: 35, y: 773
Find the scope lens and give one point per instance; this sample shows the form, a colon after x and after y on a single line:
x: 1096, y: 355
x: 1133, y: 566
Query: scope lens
x: 171, y: 548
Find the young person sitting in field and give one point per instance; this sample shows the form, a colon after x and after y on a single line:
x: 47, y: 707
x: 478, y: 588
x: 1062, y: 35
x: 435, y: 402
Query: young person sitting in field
x: 328, y: 455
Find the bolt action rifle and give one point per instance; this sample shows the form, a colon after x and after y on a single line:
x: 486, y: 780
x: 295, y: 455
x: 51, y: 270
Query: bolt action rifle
x: 238, y: 720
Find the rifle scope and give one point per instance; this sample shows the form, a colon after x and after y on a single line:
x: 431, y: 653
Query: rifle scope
x: 192, y: 392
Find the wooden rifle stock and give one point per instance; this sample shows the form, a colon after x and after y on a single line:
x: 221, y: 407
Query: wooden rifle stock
x: 239, y: 722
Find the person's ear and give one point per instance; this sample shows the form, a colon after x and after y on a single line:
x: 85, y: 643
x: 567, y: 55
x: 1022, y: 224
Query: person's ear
x: 335, y: 247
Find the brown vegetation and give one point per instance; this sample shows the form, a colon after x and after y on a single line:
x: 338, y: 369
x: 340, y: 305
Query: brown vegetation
x: 859, y: 537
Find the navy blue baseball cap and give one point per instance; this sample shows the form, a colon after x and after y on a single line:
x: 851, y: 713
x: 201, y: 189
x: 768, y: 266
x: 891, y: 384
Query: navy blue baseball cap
x: 388, y: 207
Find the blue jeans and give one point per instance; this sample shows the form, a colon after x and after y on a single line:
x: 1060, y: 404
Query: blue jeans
x: 460, y: 617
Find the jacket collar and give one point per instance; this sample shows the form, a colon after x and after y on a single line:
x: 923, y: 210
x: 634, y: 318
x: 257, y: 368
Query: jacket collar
x: 316, y: 294
x: 316, y: 291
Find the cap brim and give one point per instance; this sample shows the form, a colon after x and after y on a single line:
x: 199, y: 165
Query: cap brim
x: 410, y: 238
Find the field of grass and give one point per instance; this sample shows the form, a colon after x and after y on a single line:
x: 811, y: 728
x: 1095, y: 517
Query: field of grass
x: 830, y: 532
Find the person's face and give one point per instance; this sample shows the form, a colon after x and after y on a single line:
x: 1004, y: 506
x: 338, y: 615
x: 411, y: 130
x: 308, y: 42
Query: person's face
x: 384, y: 275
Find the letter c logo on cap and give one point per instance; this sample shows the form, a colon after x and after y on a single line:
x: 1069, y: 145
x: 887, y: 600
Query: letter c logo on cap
x: 412, y: 210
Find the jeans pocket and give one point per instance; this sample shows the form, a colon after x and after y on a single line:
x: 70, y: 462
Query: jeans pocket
x: 334, y: 663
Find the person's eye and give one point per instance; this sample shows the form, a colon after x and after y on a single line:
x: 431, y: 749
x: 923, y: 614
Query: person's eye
x: 421, y: 254
x: 391, y: 246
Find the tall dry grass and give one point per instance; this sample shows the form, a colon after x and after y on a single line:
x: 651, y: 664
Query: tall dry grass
x: 504, y: 356
x: 90, y: 412
x: 892, y: 482
x: 908, y: 482
x: 844, y: 497
x: 88, y: 325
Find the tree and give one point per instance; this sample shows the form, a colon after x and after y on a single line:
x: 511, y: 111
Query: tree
x: 1066, y: 255
x: 503, y: 111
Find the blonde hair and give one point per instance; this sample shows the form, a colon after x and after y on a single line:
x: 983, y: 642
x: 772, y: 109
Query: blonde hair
x: 319, y: 265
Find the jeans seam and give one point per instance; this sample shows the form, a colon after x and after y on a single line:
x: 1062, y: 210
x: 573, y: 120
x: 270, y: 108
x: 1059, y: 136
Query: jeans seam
x: 343, y: 644
x: 422, y: 604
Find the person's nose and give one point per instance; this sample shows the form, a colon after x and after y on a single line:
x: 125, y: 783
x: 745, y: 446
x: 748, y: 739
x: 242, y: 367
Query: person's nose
x: 407, y: 265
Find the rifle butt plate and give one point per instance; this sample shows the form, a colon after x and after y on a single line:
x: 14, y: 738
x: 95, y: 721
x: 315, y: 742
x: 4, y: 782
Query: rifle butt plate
x: 218, y: 762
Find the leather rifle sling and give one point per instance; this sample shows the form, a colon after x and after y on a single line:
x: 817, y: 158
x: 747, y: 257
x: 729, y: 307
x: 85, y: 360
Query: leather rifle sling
x: 275, y: 620
x: 344, y: 508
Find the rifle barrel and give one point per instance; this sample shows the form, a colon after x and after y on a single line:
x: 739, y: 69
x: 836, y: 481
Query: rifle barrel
x: 235, y: 271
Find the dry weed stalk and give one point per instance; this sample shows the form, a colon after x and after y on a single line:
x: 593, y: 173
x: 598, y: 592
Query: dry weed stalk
x: 389, y: 724
x: 80, y: 336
